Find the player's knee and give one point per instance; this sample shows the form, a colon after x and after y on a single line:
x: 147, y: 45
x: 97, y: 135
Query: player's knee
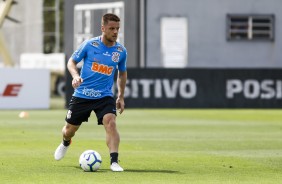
x: 109, y: 119
x: 111, y: 125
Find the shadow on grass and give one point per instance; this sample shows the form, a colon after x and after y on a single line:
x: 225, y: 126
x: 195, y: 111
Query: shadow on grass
x: 152, y: 171
x: 138, y: 171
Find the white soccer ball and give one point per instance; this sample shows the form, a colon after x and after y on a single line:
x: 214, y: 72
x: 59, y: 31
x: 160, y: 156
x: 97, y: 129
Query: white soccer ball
x: 90, y: 160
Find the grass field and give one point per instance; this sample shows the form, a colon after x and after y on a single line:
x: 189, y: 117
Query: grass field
x: 157, y: 147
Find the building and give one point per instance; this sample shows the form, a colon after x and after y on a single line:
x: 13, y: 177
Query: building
x: 189, y: 33
x: 191, y: 53
x: 210, y: 43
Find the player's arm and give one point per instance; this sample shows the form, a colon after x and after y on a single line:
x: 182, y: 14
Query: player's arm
x: 76, y: 79
x: 121, y: 82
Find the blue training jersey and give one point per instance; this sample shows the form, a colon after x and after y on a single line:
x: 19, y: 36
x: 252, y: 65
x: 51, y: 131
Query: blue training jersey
x: 98, y: 69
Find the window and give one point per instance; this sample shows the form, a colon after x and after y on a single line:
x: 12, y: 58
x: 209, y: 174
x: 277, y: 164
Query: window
x: 53, y: 24
x: 250, y: 27
x: 174, y: 42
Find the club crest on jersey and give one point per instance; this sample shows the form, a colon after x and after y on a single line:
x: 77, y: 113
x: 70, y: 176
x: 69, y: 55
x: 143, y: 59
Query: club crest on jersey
x: 115, y: 56
x: 95, y: 44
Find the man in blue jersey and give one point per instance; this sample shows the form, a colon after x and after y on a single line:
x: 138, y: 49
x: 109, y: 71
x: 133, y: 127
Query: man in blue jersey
x: 102, y: 56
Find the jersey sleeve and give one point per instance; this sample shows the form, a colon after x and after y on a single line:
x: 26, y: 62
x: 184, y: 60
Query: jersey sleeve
x: 122, y: 63
x: 80, y: 53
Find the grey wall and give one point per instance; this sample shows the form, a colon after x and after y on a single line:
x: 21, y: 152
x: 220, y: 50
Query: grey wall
x: 207, y: 46
x: 27, y: 35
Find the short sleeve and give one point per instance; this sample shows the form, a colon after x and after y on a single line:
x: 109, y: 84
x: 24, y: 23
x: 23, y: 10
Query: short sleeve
x: 122, y: 63
x: 80, y: 53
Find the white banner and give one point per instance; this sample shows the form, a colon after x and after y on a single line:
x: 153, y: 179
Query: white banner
x: 24, y: 88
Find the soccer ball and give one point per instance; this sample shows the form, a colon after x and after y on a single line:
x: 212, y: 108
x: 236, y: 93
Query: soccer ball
x: 90, y: 160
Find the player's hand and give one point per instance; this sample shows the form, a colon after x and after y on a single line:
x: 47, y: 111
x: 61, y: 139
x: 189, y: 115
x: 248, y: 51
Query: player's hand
x: 76, y: 82
x: 120, y: 105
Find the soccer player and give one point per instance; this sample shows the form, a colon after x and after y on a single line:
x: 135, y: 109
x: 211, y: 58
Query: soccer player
x: 102, y: 56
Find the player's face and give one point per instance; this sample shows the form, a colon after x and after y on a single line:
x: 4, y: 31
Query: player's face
x: 110, y: 31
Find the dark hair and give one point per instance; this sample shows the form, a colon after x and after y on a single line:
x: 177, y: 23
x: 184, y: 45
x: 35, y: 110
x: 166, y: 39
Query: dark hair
x: 109, y: 17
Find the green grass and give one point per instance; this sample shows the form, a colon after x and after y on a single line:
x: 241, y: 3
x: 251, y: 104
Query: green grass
x: 157, y: 147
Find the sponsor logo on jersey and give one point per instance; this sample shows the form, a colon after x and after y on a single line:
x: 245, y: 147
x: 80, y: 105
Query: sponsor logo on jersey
x: 115, y: 57
x: 106, y: 54
x: 91, y: 92
x: 103, y: 69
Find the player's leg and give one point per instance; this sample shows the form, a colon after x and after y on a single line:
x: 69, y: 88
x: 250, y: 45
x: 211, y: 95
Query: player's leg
x: 106, y: 115
x: 68, y: 132
x: 112, y: 135
x: 79, y: 111
x: 112, y: 139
